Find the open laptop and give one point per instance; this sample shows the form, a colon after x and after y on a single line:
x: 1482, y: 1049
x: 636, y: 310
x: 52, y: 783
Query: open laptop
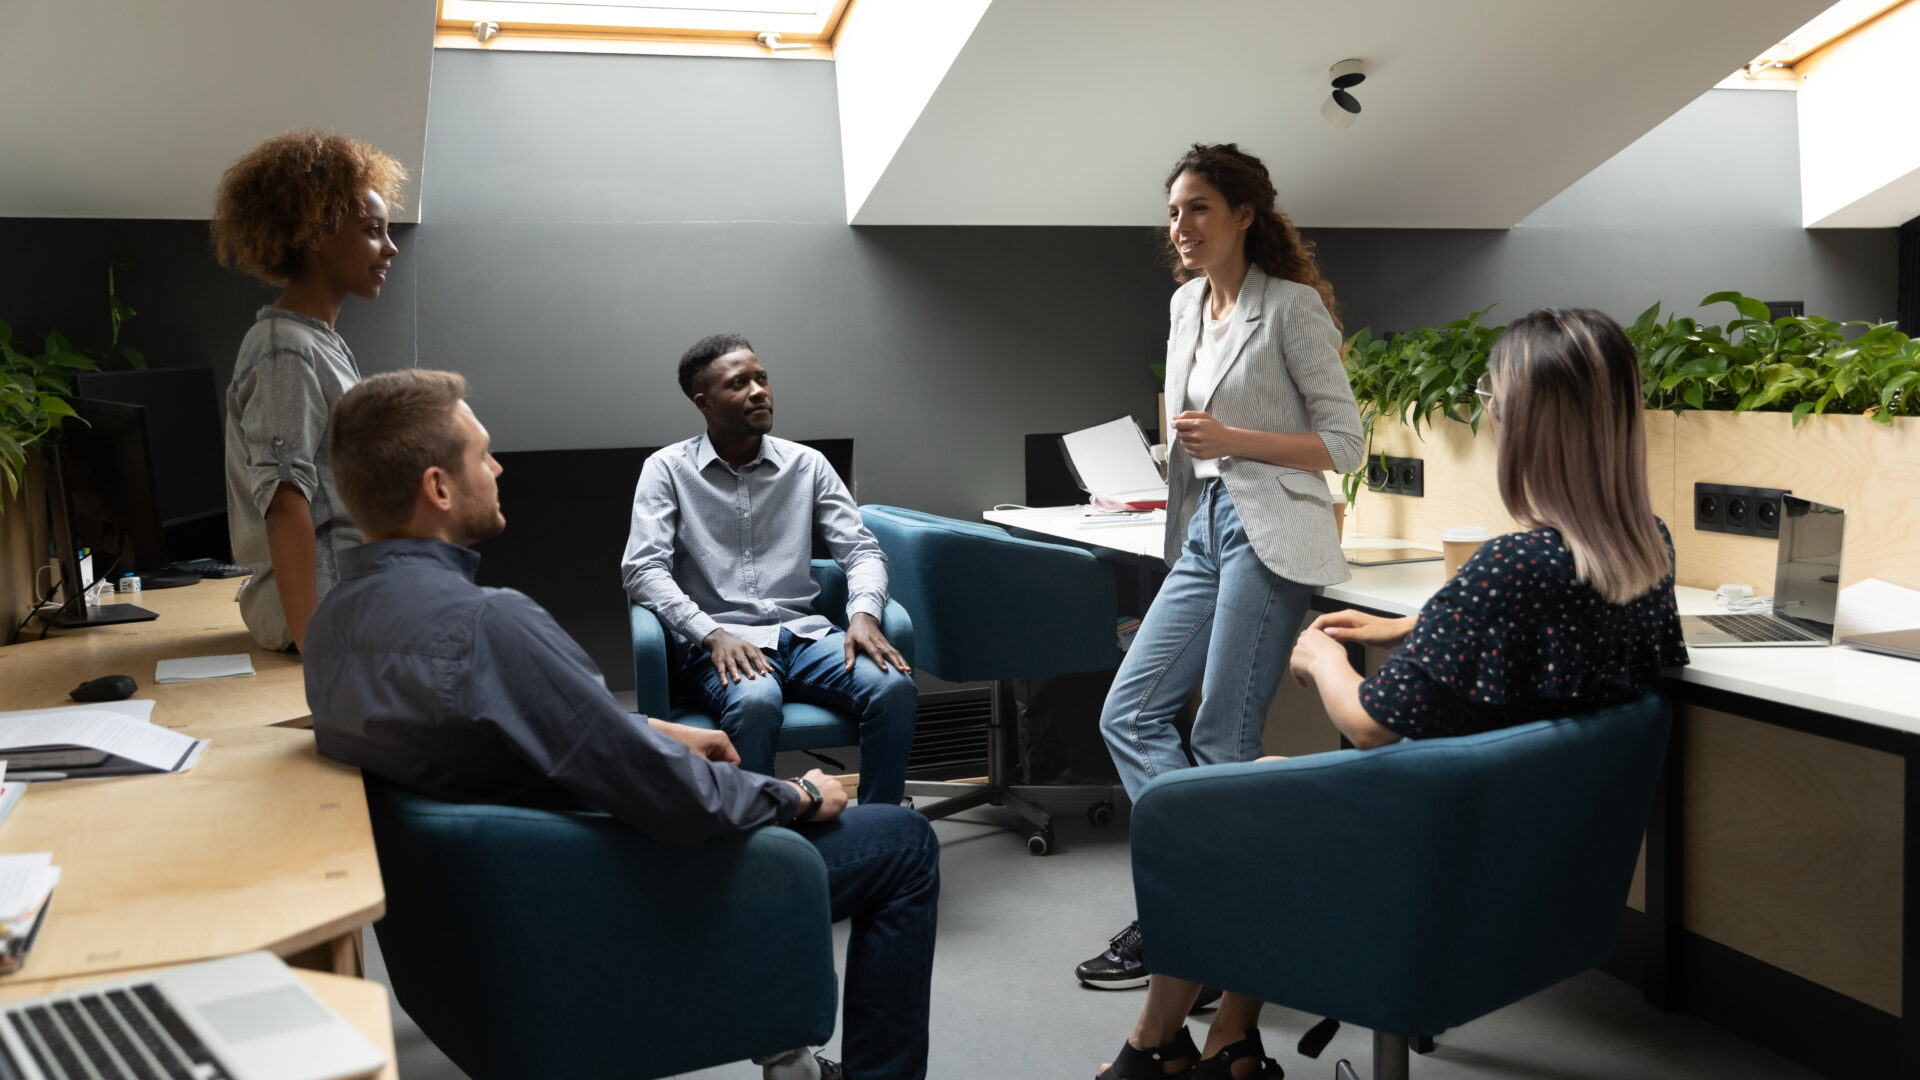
x: 242, y: 1018
x: 1806, y: 586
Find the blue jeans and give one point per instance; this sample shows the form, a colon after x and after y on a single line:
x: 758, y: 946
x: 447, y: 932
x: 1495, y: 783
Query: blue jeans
x: 749, y: 711
x: 883, y: 872
x: 1222, y: 621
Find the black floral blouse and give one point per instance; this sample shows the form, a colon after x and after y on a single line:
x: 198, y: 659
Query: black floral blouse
x: 1515, y: 638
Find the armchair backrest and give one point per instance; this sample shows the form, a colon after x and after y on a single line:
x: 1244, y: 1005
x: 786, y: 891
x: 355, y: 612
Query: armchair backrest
x: 532, y: 942
x: 1471, y: 871
x: 986, y: 605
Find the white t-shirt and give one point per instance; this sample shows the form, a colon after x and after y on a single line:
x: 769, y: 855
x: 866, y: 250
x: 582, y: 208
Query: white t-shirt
x: 1206, y: 363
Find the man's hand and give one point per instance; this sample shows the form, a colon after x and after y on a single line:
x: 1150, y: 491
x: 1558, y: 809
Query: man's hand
x: 864, y: 636
x: 833, y: 797
x: 1313, y: 653
x: 1203, y: 437
x: 709, y: 744
x: 733, y: 658
x: 1364, y: 628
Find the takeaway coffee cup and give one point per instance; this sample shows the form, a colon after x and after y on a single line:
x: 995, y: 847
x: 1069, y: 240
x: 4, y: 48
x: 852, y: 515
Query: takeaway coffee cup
x: 1459, y: 543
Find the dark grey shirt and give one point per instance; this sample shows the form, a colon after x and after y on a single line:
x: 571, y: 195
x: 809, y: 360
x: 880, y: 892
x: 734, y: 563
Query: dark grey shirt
x: 292, y: 368
x: 470, y: 694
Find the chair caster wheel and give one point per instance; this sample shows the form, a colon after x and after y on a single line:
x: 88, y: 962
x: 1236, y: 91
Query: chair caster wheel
x: 1343, y: 1070
x: 1039, y: 843
x: 1422, y: 1044
x: 1100, y: 813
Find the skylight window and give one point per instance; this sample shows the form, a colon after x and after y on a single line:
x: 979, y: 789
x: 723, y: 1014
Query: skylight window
x: 1820, y: 31
x: 740, y: 27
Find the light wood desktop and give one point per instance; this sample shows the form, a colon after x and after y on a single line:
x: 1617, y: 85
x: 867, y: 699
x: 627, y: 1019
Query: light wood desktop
x: 197, y: 620
x: 264, y: 845
x: 364, y: 1004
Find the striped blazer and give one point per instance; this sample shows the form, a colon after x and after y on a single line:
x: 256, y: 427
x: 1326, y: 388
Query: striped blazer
x: 1280, y: 371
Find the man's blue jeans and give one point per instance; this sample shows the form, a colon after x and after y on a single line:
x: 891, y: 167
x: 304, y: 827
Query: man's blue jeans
x: 749, y: 711
x: 883, y: 872
x: 1222, y: 621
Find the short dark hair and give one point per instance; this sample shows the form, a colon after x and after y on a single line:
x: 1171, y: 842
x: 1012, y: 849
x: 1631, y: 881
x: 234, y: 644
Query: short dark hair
x: 385, y: 433
x: 704, y: 353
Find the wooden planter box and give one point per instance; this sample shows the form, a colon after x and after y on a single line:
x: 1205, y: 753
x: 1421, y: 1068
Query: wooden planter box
x: 23, y: 544
x: 1870, y: 469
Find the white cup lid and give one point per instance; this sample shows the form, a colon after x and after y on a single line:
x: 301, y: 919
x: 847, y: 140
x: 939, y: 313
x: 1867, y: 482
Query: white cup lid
x: 1464, y: 533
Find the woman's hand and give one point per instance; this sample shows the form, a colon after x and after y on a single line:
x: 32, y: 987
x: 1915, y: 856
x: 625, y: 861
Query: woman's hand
x: 1203, y: 437
x: 1313, y: 653
x: 1358, y: 626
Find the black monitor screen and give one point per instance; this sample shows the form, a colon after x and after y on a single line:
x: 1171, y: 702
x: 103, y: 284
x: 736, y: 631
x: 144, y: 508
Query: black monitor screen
x: 107, y: 478
x: 184, y: 435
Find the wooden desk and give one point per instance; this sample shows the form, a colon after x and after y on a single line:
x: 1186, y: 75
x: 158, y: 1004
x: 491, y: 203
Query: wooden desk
x: 211, y: 604
x: 264, y: 845
x: 364, y: 1004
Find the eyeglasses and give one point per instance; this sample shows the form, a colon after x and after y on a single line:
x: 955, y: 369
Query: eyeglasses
x: 1484, y: 391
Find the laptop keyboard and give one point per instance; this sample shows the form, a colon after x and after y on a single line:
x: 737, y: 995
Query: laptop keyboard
x: 1756, y: 628
x: 131, y: 1034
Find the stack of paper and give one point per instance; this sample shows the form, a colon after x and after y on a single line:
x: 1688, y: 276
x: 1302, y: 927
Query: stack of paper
x: 26, y: 881
x: 109, y: 739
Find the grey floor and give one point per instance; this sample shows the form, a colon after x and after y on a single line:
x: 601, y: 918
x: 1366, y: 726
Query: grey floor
x: 1005, y: 1003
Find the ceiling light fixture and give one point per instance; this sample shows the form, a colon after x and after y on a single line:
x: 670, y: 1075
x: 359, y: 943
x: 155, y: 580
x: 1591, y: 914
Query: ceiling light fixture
x: 1341, y: 106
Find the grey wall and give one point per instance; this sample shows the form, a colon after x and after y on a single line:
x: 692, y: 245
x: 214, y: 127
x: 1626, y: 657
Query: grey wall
x: 1709, y: 200
x: 591, y: 216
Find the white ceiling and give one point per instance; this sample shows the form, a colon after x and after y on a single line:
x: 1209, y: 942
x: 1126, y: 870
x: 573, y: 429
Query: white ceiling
x: 133, y: 109
x: 1069, y: 112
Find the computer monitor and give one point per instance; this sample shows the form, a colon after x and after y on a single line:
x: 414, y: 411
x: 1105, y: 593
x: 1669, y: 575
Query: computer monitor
x: 111, y: 500
x: 187, y: 452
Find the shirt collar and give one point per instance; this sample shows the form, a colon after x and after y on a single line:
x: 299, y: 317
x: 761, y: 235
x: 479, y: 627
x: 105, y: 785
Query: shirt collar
x: 383, y: 555
x: 272, y: 312
x: 770, y: 453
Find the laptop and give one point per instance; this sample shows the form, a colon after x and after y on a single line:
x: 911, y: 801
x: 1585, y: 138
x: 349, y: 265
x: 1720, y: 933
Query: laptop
x: 1904, y: 644
x: 1806, y: 586
x: 241, y: 1018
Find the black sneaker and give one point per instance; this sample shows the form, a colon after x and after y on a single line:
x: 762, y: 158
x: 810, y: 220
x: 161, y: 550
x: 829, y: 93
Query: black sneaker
x: 1120, y: 967
x: 829, y: 1068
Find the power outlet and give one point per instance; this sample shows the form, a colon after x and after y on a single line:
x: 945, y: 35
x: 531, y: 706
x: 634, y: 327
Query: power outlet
x: 1738, y: 510
x: 1397, y: 476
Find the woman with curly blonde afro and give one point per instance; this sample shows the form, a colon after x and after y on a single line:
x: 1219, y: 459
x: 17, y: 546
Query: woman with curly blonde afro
x: 306, y: 211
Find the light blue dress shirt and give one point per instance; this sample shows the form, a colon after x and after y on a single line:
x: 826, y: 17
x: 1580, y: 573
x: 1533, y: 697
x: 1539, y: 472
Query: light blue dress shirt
x: 710, y: 547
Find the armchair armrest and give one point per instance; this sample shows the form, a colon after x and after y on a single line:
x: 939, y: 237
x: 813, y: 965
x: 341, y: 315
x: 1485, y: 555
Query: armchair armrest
x: 507, y: 925
x: 652, y: 654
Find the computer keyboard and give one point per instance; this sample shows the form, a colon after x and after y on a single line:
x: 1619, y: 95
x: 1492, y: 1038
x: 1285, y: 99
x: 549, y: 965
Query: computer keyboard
x: 130, y: 1034
x: 1757, y: 628
x: 210, y: 568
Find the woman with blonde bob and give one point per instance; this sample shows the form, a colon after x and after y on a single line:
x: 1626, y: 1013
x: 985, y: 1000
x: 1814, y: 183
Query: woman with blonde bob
x: 1573, y: 614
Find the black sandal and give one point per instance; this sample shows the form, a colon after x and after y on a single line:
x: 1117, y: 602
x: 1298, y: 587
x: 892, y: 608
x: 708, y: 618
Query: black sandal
x: 1220, y: 1065
x: 1132, y: 1063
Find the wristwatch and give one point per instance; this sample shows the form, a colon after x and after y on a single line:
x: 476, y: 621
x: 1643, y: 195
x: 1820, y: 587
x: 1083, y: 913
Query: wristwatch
x: 813, y: 799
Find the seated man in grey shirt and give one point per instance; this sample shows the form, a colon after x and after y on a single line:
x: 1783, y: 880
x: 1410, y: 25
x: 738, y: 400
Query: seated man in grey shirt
x: 464, y: 693
x: 719, y: 549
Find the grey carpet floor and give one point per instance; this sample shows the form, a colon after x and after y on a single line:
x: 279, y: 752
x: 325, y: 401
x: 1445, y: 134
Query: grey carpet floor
x: 1005, y: 1003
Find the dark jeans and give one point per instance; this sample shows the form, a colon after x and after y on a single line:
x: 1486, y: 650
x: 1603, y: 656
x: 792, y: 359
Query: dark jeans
x: 883, y: 872
x: 750, y: 711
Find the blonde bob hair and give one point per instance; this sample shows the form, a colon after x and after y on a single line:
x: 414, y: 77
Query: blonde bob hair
x: 1573, y: 447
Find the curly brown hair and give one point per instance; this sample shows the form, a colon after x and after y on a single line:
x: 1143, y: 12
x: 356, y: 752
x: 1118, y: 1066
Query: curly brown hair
x: 1273, y: 244
x: 290, y: 191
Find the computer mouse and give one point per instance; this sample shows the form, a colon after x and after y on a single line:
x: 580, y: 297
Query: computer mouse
x: 105, y: 688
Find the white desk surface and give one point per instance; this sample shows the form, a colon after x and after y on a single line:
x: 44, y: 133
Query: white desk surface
x: 1838, y: 681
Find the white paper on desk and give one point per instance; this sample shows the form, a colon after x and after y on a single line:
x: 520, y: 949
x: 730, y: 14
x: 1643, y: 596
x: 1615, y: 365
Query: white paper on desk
x: 99, y: 729
x: 25, y: 883
x: 1873, y: 606
x: 194, y: 668
x: 1113, y: 459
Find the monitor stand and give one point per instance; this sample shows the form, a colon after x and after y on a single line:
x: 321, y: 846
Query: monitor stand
x: 76, y: 615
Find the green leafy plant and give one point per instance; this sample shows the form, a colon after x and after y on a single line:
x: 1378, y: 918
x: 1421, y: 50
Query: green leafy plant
x: 1414, y: 374
x: 33, y: 397
x: 1798, y: 364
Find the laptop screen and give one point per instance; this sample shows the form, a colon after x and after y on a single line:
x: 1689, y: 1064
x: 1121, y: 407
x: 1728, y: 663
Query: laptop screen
x: 1806, y: 582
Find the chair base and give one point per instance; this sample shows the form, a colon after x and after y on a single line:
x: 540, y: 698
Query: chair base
x: 1390, y: 1060
x: 997, y: 792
